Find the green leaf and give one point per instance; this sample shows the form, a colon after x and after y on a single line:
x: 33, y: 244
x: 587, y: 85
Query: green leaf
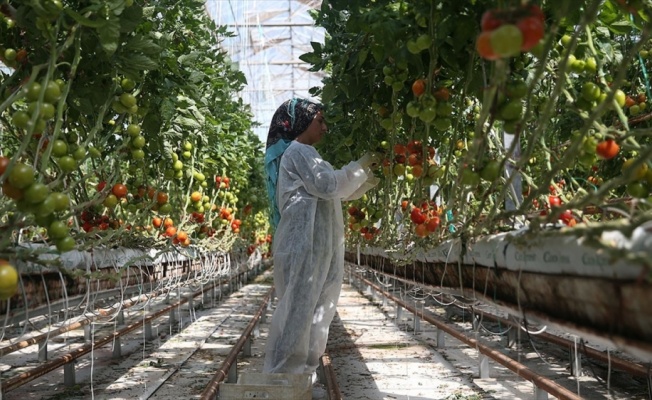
x: 310, y: 58
x: 620, y: 27
x: 141, y: 44
x: 83, y: 20
x: 188, y: 122
x: 110, y: 34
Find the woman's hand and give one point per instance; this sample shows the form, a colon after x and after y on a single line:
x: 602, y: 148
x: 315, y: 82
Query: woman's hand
x: 369, y: 160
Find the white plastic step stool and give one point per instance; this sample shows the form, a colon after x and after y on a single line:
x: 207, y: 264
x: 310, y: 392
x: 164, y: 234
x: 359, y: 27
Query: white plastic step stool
x: 268, y: 387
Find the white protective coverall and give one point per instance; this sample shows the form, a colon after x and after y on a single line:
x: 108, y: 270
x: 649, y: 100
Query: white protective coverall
x: 308, y: 250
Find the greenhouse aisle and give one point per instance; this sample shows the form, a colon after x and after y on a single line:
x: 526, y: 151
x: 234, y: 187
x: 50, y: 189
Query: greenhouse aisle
x: 375, y: 359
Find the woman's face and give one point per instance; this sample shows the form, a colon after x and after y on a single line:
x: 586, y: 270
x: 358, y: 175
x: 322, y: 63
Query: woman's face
x: 315, y: 131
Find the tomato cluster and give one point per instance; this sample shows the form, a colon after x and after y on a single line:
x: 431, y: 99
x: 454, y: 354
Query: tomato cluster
x: 507, y: 32
x: 408, y: 163
x: 426, y: 218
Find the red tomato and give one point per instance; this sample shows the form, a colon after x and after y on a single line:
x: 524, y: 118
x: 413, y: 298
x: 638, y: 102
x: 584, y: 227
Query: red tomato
x: 119, y: 190
x: 532, y: 30
x: 536, y: 11
x: 161, y: 198
x: 101, y: 186
x: 419, y: 87
x: 483, y: 46
x: 442, y: 94
x: 566, y: 216
x: 489, y: 21
x: 433, y: 223
x: 4, y: 161
x: 554, y: 201
x: 607, y: 149
x: 421, y: 230
x: 417, y: 216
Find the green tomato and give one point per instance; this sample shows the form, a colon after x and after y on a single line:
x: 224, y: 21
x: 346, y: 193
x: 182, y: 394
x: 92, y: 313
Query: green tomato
x: 165, y: 208
x: 59, y: 148
x: 46, y: 111
x: 512, y: 110
x: 133, y: 130
x: 138, y: 142
x: 637, y: 190
x: 591, y: 65
x: 21, y: 119
x: 128, y: 100
x: 412, y: 109
x: 21, y: 176
x: 469, y: 178
x: 516, y: 89
x: 620, y: 98
x: 94, y: 152
x: 61, y: 201
x: 506, y: 40
x: 33, y: 91
x: 442, y: 124
x: 177, y: 165
x: 428, y: 114
x: 110, y: 201
x: 127, y: 84
x: 79, y: 153
x: 187, y: 146
x: 67, y: 164
x: 137, y: 154
x: 36, y: 193
x: 52, y: 92
x: 58, y: 230
x: 10, y: 54
x: 45, y: 208
x: 491, y: 171
x: 590, y: 91
x: 8, y: 280
x: 65, y: 244
x: 444, y: 109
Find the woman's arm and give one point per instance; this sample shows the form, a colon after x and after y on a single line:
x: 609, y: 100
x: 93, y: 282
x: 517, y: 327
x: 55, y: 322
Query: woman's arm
x: 318, y: 176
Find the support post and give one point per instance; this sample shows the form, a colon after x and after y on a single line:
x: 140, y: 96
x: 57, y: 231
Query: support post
x: 512, y: 337
x: 148, y: 326
x: 233, y: 373
x: 43, y: 351
x: 246, y: 349
x: 417, y: 324
x: 576, y: 363
x: 484, y: 367
x: 88, y: 332
x: 117, y: 350
x: 475, y: 321
x: 399, y: 312
x: 173, y: 316
x: 540, y: 394
x: 69, y: 374
x: 121, y: 317
x: 441, y: 339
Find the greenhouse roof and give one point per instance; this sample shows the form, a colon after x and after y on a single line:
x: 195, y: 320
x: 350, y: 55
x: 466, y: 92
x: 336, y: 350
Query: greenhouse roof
x: 270, y: 36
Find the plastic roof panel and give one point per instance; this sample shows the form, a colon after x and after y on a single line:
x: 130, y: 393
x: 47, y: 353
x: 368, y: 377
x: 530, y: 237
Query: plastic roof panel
x: 270, y: 37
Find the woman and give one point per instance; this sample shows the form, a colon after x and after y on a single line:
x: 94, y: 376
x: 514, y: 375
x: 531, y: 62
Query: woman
x: 305, y: 197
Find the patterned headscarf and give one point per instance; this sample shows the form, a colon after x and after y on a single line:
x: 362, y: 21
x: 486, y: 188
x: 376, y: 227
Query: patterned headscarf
x: 290, y: 120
